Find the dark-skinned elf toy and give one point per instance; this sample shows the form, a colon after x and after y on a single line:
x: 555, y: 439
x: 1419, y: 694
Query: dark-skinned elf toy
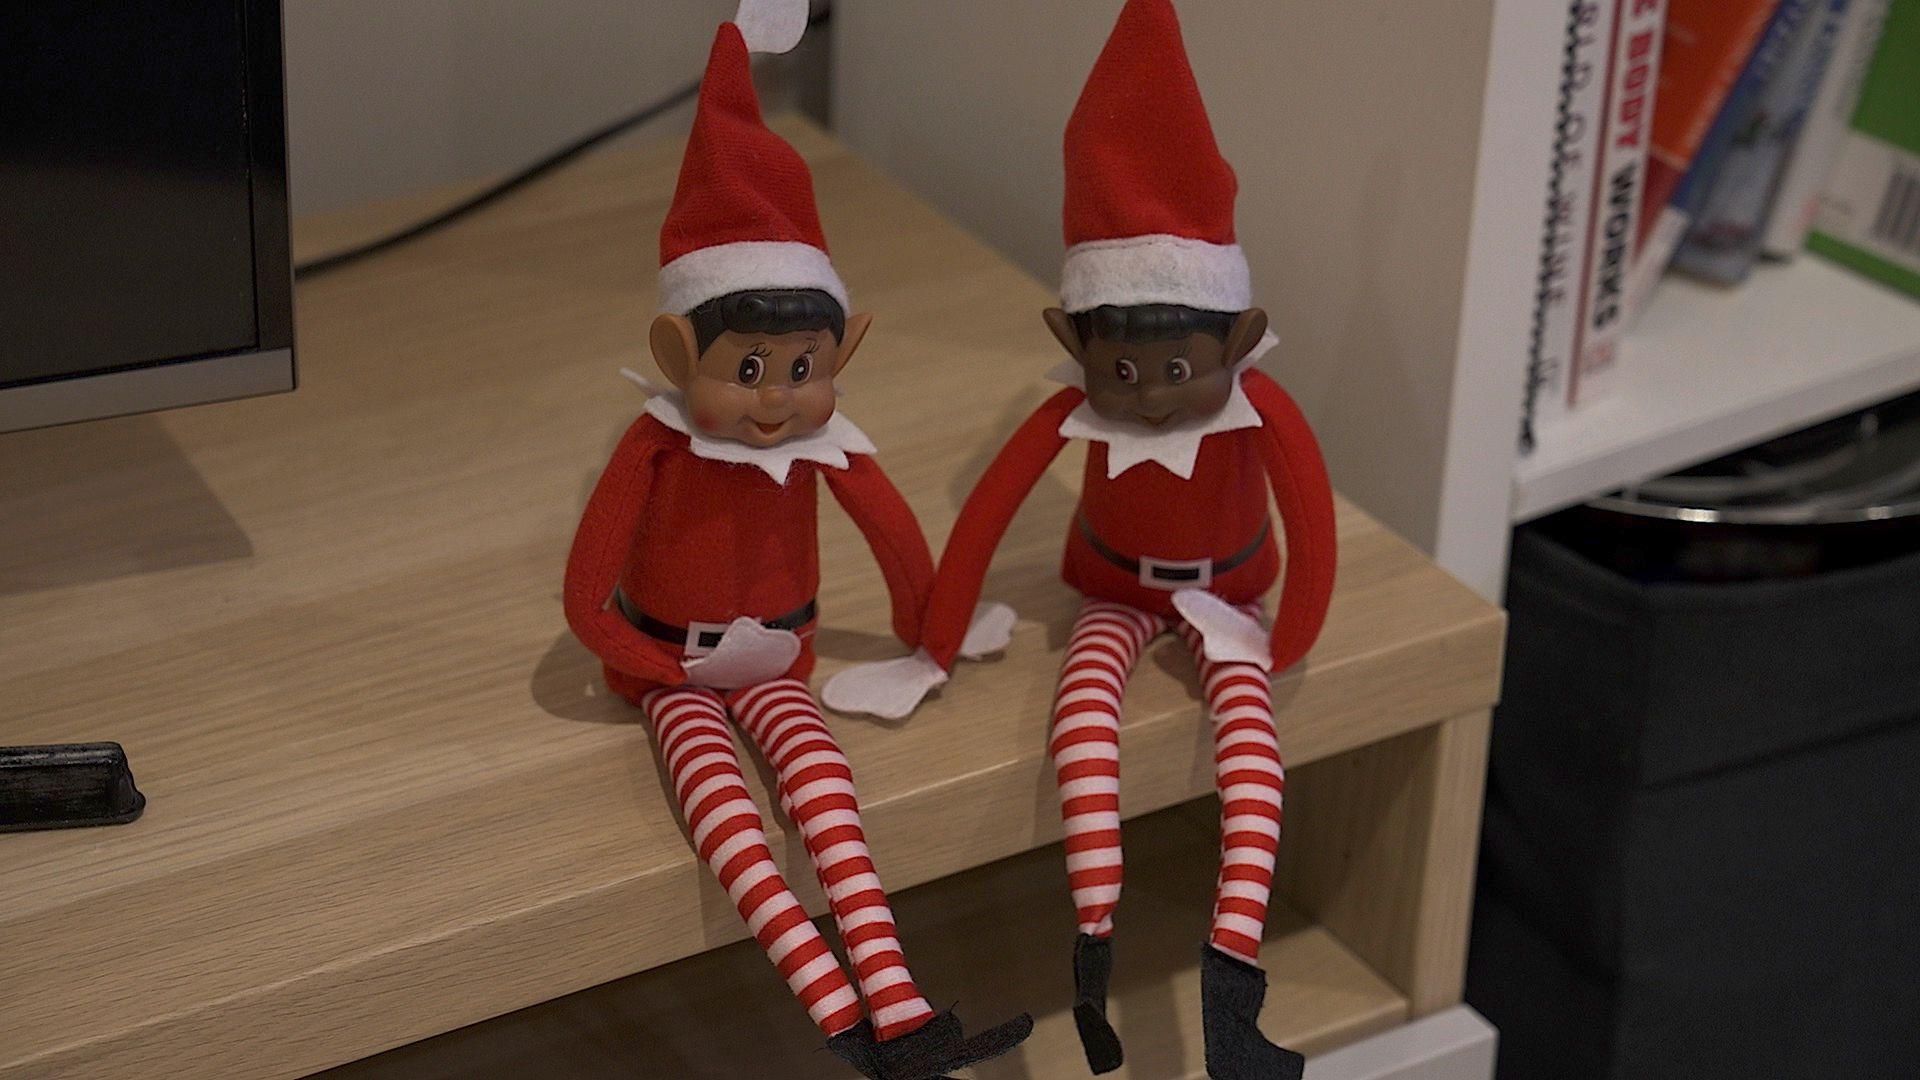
x: 695, y: 567
x: 1172, y: 531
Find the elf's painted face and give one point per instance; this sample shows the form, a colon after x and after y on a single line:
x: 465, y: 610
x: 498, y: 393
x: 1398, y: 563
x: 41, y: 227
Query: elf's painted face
x: 763, y: 389
x: 1157, y: 384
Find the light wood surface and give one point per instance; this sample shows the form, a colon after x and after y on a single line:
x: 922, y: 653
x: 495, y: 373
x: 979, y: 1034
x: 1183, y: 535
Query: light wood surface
x: 963, y: 945
x: 388, y: 796
x: 1394, y: 832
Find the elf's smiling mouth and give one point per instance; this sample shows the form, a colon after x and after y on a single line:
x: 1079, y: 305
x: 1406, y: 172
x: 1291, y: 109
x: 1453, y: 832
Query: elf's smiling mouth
x: 772, y: 429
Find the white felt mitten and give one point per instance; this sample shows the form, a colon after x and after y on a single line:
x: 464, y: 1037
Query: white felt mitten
x: 888, y: 689
x: 989, y: 633
x: 748, y: 655
x: 1228, y: 635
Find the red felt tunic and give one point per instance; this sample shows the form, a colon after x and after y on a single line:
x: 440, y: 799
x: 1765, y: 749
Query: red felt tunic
x: 1215, y: 515
x: 688, y: 539
x: 1148, y: 511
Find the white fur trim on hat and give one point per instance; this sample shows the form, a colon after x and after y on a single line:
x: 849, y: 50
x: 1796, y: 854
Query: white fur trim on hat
x: 772, y: 26
x: 710, y: 273
x: 1156, y: 269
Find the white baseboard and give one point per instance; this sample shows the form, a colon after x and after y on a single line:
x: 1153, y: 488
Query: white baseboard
x: 1453, y: 1045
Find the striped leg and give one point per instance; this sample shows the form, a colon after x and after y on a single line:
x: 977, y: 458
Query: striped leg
x: 1085, y: 744
x: 816, y: 791
x: 1248, y: 772
x: 691, y: 730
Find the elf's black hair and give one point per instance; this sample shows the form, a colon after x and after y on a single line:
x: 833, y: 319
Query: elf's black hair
x: 1143, y: 323
x: 767, y: 311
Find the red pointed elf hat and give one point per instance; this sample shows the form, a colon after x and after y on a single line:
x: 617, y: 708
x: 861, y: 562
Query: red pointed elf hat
x: 743, y: 215
x: 1149, y: 208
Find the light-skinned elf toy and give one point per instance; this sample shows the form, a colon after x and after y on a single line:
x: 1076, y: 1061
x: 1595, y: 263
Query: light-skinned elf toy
x: 695, y: 567
x: 1172, y: 532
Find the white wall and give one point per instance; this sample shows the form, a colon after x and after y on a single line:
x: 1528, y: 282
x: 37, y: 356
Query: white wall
x: 388, y: 96
x: 1391, y: 237
x: 1355, y: 127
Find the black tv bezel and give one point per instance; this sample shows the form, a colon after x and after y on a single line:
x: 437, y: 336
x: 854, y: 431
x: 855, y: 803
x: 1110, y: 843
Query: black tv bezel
x: 267, y: 165
x: 266, y: 366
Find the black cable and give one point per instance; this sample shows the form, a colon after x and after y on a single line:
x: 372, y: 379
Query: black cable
x: 511, y: 184
x: 498, y: 191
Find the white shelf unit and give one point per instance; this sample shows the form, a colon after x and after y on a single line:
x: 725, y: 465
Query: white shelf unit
x: 1709, y: 370
x: 1394, y: 173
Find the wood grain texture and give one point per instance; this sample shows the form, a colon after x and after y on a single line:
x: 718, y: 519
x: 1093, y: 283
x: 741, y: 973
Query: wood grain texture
x: 962, y: 945
x: 388, y: 796
x: 1393, y: 834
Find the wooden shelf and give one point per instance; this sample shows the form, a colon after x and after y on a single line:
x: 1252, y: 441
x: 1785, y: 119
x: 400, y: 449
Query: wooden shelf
x: 997, y: 938
x: 388, y: 796
x: 1710, y: 370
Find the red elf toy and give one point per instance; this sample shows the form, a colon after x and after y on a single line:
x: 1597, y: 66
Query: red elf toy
x: 694, y: 571
x: 1172, y: 531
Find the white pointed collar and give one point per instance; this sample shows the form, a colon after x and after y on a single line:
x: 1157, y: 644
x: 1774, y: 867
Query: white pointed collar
x: 1176, y: 448
x: 828, y: 446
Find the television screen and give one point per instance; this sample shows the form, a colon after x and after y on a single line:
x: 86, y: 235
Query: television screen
x: 142, y: 203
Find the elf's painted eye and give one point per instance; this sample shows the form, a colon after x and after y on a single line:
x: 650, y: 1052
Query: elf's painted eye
x: 1126, y: 371
x: 802, y: 368
x: 1178, y: 372
x: 751, y: 369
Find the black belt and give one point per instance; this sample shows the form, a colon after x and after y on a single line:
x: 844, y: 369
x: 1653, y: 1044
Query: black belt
x: 1172, y: 574
x: 702, y: 638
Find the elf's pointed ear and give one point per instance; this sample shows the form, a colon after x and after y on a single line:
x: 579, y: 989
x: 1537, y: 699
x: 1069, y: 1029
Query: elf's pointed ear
x: 1248, y: 328
x: 1065, y: 332
x: 676, y: 348
x: 857, y: 327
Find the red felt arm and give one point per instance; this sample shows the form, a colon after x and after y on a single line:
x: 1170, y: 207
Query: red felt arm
x: 983, y: 521
x: 1305, y: 497
x: 599, y: 553
x: 893, y: 533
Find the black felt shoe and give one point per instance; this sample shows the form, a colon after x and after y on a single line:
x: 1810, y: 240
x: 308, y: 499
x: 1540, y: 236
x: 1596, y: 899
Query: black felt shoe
x: 921, y: 1054
x: 1092, y: 965
x: 1231, y: 993
x: 991, y: 1043
x: 941, y: 1046
x: 856, y: 1047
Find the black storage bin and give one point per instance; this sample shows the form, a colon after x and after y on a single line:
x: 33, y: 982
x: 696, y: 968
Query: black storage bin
x: 1702, y: 847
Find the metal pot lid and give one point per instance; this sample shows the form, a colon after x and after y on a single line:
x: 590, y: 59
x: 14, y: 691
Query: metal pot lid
x: 1864, y: 467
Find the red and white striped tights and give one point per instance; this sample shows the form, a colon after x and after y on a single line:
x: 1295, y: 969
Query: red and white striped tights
x: 816, y: 792
x: 1106, y: 643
